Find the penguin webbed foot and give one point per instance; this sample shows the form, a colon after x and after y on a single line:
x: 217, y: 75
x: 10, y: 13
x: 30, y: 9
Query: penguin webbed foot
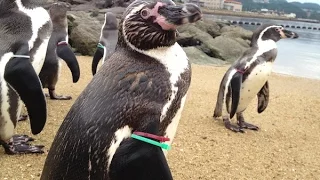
x: 54, y: 96
x: 245, y: 125
x: 19, y: 145
x: 23, y: 118
x: 232, y: 127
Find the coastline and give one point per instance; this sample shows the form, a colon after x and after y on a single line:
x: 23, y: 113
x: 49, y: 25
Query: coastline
x: 250, y: 15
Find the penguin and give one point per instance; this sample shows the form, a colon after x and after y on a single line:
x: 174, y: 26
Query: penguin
x: 24, y: 34
x: 58, y: 48
x: 141, y: 90
x: 248, y: 77
x: 108, y: 40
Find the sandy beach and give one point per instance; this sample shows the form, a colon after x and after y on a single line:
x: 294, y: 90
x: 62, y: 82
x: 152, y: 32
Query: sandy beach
x: 286, y: 146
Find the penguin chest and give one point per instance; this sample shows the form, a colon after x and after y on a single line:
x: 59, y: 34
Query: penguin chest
x: 253, y: 83
x: 39, y: 56
x: 176, y: 63
x: 41, y: 31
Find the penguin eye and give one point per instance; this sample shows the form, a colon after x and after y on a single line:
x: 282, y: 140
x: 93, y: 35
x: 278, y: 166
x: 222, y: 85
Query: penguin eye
x: 278, y: 29
x: 145, y: 14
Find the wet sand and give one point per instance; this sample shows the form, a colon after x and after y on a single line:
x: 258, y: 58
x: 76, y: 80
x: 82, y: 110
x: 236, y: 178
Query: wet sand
x: 286, y: 146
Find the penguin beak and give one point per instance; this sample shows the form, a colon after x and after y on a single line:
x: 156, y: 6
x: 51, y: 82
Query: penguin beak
x: 182, y: 14
x: 288, y: 34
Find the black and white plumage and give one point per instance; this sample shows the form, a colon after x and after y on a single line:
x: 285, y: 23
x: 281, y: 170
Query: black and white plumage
x: 58, y: 48
x: 24, y: 34
x: 142, y: 87
x: 107, y: 42
x: 248, y: 76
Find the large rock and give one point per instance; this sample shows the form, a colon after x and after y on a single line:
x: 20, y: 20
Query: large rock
x: 229, y: 49
x: 221, y: 47
x: 85, y: 32
x: 209, y: 26
x: 196, y: 56
x: 236, y: 32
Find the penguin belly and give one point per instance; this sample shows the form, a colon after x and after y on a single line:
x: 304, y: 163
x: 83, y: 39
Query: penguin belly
x: 40, y: 55
x: 252, y: 85
x: 173, y: 126
x: 6, y: 125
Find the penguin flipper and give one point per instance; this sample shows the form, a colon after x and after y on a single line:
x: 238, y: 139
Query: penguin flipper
x: 219, y: 104
x: 64, y: 52
x: 96, y: 58
x: 263, y: 97
x: 235, y: 83
x: 21, y: 76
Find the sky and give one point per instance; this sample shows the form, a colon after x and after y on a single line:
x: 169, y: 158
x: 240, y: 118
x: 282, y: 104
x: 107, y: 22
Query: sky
x: 303, y: 1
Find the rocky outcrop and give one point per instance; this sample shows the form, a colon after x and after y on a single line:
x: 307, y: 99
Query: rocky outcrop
x: 224, y: 42
x: 84, y: 32
x: 196, y: 56
x: 205, y: 42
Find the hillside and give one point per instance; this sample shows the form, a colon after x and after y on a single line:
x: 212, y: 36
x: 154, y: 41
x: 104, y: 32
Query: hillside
x: 284, y: 6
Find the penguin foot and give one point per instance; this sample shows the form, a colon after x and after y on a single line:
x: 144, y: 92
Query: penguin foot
x: 232, y: 127
x: 246, y: 125
x: 54, y: 96
x: 20, y: 139
x: 23, y: 118
x: 12, y: 148
x: 23, y: 149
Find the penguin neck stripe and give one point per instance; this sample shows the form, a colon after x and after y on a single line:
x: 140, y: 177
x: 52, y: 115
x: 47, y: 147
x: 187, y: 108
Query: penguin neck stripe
x: 62, y: 43
x: 162, y: 145
x: 159, y: 138
x: 21, y: 56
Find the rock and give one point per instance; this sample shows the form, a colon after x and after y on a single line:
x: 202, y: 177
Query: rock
x: 236, y: 32
x: 196, y: 56
x: 229, y: 49
x: 221, y: 47
x: 209, y: 26
x: 90, y: 6
x: 85, y: 32
x: 118, y: 11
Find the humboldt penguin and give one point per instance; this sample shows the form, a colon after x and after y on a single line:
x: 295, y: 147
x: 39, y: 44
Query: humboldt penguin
x: 140, y: 92
x: 108, y: 40
x: 248, y: 77
x: 58, y: 48
x: 24, y: 34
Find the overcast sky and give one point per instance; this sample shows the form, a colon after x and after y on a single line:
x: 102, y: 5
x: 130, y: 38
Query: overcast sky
x: 303, y: 1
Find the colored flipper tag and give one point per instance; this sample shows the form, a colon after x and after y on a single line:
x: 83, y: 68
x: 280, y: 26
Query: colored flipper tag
x: 148, y: 135
x: 100, y: 45
x: 162, y: 145
x: 21, y: 56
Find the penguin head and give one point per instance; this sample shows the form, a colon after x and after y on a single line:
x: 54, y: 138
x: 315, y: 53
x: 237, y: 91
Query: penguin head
x: 151, y: 24
x: 110, y: 20
x: 59, y: 9
x: 271, y: 32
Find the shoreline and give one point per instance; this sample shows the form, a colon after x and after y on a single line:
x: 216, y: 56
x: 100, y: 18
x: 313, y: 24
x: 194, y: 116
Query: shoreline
x: 251, y: 15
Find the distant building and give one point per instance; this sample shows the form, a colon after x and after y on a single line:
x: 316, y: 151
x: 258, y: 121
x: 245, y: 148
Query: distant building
x: 291, y: 15
x: 258, y: 1
x: 232, y: 5
x: 213, y: 4
x: 197, y: 2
